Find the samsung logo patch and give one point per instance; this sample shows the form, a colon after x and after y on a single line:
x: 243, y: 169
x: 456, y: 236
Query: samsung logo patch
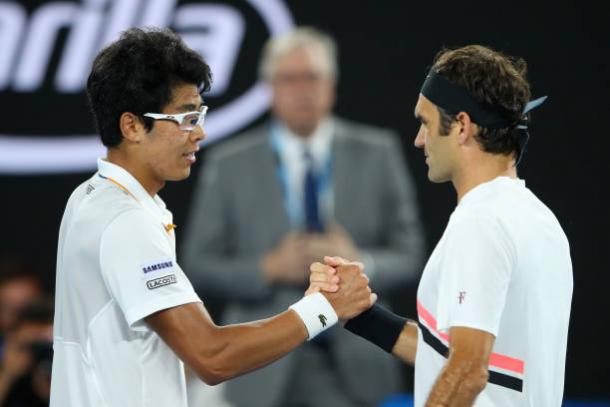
x: 161, y: 281
x: 157, y: 266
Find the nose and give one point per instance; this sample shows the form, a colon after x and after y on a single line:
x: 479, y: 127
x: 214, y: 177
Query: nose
x: 198, y: 134
x: 420, y: 140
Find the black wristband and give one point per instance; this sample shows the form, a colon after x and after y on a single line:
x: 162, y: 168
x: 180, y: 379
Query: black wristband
x: 379, y: 326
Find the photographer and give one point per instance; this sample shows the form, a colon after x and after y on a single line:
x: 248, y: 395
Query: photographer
x: 25, y: 368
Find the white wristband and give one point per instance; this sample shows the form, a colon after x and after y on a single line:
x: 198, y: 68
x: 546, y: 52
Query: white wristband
x: 316, y: 312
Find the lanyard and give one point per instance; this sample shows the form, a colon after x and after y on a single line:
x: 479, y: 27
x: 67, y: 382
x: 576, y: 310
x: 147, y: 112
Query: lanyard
x: 168, y: 228
x: 324, y: 178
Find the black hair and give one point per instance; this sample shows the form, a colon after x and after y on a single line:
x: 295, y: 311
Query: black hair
x: 137, y: 74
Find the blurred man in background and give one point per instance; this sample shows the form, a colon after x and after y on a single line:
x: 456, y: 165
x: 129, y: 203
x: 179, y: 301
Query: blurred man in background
x: 25, y: 366
x: 304, y: 185
x: 19, y: 286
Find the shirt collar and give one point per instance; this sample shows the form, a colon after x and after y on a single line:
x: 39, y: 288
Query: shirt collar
x: 481, y: 188
x: 121, y: 176
x: 319, y: 142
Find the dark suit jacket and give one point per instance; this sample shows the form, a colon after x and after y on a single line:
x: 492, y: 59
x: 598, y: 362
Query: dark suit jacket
x: 238, y: 215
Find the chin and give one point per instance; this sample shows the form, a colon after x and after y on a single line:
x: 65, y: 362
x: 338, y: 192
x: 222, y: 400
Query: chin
x: 179, y: 176
x: 437, y: 178
x: 185, y: 174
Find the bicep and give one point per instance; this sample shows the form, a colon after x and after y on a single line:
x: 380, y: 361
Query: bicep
x: 477, y: 264
x: 189, y: 331
x: 139, y: 268
x: 470, y: 347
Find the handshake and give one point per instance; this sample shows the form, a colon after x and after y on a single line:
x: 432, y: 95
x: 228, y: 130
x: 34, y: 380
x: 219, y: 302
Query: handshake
x: 344, y: 285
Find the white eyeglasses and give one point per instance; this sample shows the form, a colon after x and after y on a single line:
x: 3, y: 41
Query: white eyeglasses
x: 187, y: 121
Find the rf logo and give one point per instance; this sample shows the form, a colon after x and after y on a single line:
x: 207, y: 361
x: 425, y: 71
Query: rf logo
x: 462, y: 296
x: 322, y: 318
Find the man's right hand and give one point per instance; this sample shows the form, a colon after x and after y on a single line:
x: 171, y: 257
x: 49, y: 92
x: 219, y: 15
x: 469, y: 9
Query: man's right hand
x: 354, y: 295
x: 323, y: 277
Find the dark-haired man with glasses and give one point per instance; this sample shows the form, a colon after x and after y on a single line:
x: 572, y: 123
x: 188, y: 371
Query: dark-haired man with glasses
x: 127, y: 317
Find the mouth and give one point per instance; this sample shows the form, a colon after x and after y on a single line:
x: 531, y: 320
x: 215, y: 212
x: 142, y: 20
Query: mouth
x: 190, y: 156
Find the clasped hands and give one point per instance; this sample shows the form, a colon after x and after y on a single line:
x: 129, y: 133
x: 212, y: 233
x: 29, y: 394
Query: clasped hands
x: 344, y: 285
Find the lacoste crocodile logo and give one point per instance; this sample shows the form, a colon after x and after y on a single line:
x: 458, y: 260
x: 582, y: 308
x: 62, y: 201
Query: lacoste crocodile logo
x: 322, y: 319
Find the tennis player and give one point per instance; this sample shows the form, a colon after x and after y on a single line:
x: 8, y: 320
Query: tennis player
x: 126, y: 316
x: 494, y: 299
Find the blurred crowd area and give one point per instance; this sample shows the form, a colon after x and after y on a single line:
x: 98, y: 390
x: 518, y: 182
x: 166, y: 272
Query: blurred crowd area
x: 26, y: 334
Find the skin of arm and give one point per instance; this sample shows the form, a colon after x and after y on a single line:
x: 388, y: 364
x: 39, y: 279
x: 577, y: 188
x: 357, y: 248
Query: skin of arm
x: 465, y: 374
x: 218, y: 353
x: 405, y: 347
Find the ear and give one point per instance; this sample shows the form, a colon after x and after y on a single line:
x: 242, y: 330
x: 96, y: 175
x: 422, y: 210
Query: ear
x: 467, y: 128
x: 131, y: 127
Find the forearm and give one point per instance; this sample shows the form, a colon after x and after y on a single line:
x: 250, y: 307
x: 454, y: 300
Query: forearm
x: 391, y: 332
x: 220, y: 353
x: 242, y: 348
x: 458, y: 385
x: 405, y: 347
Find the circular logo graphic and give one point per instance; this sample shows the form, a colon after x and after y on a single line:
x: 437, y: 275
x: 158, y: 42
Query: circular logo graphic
x: 42, y: 84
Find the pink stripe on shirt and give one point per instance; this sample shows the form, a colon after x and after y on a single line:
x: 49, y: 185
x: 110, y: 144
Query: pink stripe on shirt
x: 495, y: 359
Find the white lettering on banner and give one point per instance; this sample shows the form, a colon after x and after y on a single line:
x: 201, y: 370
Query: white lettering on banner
x: 42, y: 35
x: 12, y: 22
x: 220, y: 27
x: 220, y: 45
x: 214, y: 30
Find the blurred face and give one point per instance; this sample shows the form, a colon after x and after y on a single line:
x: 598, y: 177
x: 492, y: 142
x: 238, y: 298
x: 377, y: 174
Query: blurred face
x: 167, y: 151
x: 14, y: 295
x: 19, y: 348
x: 440, y: 151
x: 303, y: 91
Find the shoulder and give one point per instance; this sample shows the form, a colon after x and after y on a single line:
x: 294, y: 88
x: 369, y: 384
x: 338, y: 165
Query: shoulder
x: 103, y: 202
x: 366, y: 135
x: 134, y: 224
x: 99, y: 200
x: 241, y: 145
x: 485, y: 224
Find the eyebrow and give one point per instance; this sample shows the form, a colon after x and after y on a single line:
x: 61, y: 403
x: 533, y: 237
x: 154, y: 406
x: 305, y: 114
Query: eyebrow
x: 420, y: 117
x: 190, y: 107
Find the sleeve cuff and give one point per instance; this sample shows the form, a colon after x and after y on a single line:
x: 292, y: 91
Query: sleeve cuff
x: 135, y: 315
x: 444, y: 327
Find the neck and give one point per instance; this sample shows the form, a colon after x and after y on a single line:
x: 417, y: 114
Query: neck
x: 487, y: 169
x: 304, y: 132
x: 137, y: 170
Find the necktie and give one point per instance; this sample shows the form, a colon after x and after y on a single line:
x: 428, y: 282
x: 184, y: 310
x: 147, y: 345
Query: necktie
x: 313, y: 222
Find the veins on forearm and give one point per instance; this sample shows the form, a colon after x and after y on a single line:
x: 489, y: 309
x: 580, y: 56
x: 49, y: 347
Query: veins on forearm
x: 457, y: 386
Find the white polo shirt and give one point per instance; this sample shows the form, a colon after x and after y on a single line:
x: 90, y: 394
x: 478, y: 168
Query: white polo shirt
x: 116, y: 264
x: 502, y: 266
